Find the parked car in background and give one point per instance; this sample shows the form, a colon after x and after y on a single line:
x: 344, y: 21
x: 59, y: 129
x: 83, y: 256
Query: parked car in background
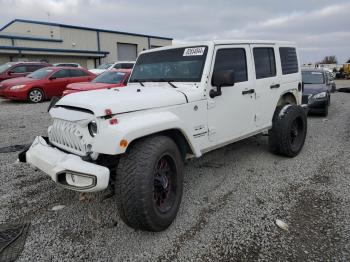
x: 109, y: 79
x: 331, y: 82
x: 68, y: 65
x: 43, y: 83
x: 316, y: 93
x: 19, y: 69
x: 109, y: 66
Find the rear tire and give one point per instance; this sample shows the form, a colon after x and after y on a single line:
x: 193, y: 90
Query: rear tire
x: 149, y: 183
x: 36, y: 95
x: 289, y: 128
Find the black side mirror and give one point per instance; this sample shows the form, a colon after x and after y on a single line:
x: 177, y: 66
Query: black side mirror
x: 52, y: 77
x: 220, y: 79
x: 10, y: 73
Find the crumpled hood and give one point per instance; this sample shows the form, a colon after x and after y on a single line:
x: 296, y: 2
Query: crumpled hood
x: 131, y: 98
x: 312, y: 89
x: 84, y: 86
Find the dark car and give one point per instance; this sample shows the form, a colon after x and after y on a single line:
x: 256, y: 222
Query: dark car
x: 316, y: 93
x: 19, y: 69
x: 43, y: 83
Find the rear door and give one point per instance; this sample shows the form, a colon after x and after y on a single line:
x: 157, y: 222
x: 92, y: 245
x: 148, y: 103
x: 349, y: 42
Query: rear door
x: 231, y: 115
x: 267, y: 83
x: 78, y: 75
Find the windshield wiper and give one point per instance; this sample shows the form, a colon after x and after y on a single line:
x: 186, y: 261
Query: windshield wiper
x: 137, y: 81
x: 170, y: 83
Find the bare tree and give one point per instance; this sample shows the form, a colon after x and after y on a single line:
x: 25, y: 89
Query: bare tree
x: 329, y: 60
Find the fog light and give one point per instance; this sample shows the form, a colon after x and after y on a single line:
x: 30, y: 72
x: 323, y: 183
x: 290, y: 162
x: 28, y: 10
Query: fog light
x: 79, y: 181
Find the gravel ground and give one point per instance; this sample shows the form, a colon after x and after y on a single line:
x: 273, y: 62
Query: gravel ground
x: 232, y: 197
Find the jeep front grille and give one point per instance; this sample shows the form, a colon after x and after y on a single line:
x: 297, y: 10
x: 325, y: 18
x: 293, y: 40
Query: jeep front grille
x: 67, y: 135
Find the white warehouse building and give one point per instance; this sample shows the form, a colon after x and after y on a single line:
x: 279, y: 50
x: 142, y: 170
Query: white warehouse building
x: 27, y: 40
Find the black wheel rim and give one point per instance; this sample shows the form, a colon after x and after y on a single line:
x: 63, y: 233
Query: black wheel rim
x: 296, y: 134
x: 164, y: 184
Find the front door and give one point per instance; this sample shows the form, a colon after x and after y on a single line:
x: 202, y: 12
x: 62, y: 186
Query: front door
x: 58, y: 82
x: 231, y: 115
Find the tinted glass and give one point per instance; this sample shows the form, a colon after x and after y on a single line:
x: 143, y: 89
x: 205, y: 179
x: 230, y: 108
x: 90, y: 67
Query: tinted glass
x: 110, y: 77
x: 32, y: 68
x: 312, y: 77
x: 127, y: 66
x: 40, y: 74
x: 178, y: 65
x: 104, y: 66
x: 289, y: 60
x: 117, y: 66
x: 64, y: 73
x: 264, y: 59
x: 19, y: 69
x: 77, y: 73
x: 232, y: 59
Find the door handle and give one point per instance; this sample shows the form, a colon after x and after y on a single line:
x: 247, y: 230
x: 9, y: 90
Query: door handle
x: 249, y: 91
x: 275, y: 86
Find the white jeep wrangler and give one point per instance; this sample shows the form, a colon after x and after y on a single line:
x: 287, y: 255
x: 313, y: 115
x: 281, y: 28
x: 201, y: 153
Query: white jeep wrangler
x: 181, y: 102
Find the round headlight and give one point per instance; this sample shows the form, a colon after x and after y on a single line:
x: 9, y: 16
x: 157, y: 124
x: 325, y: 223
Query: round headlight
x: 92, y: 126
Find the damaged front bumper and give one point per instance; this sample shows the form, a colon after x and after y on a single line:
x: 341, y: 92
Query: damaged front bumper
x: 68, y: 170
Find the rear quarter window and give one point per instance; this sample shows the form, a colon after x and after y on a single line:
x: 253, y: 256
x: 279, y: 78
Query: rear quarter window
x: 78, y: 73
x: 289, y: 60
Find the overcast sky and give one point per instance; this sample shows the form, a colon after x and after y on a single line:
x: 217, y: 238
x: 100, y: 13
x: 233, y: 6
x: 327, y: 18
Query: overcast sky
x: 320, y: 27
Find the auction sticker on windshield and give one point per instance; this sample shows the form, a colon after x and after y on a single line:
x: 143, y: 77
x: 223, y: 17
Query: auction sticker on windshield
x: 194, y: 51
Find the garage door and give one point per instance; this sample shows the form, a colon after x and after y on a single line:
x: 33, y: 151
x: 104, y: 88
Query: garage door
x: 126, y: 52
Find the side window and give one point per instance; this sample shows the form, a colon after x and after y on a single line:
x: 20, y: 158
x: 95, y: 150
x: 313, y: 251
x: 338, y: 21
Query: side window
x: 32, y: 68
x: 264, y: 59
x: 289, y: 60
x: 127, y: 66
x: 118, y: 66
x: 232, y: 59
x: 19, y: 69
x: 64, y: 73
x: 77, y: 73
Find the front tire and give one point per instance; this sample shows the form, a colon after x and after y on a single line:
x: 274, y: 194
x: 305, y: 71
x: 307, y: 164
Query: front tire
x: 36, y: 95
x: 288, y: 133
x: 149, y: 183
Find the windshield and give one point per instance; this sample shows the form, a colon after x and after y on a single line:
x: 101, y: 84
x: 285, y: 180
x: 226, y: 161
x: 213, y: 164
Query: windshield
x: 175, y: 65
x: 312, y: 77
x: 104, y: 66
x: 40, y: 74
x: 110, y: 77
x: 4, y: 67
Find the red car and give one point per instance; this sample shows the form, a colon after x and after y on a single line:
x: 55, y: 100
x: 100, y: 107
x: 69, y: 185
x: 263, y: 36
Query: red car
x: 43, y: 83
x: 19, y: 69
x: 108, y: 79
